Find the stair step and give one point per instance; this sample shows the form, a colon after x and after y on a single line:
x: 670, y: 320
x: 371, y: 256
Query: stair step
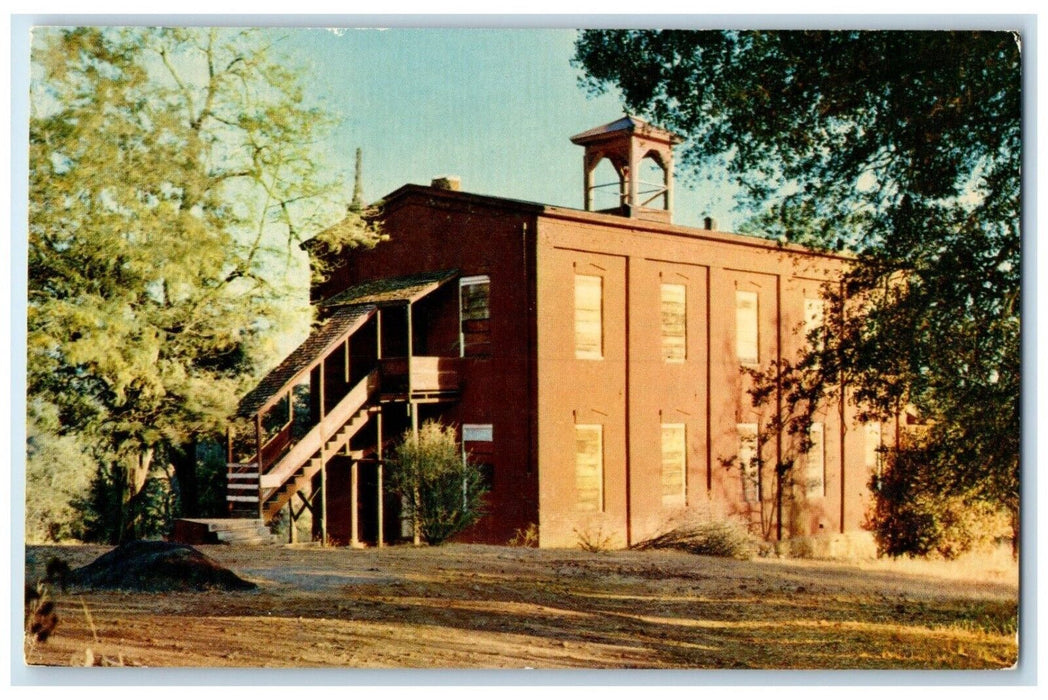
x: 242, y: 531
x: 242, y: 476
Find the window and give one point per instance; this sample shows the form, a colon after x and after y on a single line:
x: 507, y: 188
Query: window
x: 872, y: 444
x: 815, y: 463
x: 813, y: 316
x: 477, y: 433
x: 478, y: 451
x: 674, y: 464
x: 589, y: 467
x: 674, y: 323
x: 589, y: 332
x: 474, y: 316
x: 749, y: 460
x: 746, y: 335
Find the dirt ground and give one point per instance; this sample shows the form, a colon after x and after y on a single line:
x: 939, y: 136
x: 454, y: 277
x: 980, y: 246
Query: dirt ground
x: 472, y: 606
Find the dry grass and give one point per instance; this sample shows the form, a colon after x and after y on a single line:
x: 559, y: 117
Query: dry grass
x: 462, y: 606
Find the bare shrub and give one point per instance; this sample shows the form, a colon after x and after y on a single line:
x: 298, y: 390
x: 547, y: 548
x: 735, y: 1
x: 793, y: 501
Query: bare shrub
x: 715, y: 538
x: 591, y: 541
x: 525, y: 536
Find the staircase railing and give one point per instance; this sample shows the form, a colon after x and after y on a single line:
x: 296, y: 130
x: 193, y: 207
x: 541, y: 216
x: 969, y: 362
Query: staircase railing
x: 275, y: 446
x: 312, y: 441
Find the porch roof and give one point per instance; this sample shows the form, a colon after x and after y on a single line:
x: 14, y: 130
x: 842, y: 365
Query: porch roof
x: 333, y: 332
x: 392, y: 290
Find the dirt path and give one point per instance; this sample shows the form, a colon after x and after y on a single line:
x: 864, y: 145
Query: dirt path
x: 470, y: 606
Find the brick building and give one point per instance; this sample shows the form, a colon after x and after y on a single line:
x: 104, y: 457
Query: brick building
x: 592, y: 360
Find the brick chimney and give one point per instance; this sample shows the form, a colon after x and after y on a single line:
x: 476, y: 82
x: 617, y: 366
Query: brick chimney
x: 447, y: 182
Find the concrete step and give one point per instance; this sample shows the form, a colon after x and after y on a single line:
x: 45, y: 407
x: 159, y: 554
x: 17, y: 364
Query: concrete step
x: 222, y: 531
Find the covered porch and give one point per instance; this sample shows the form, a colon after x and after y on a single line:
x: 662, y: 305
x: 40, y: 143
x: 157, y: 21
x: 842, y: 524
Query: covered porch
x: 322, y: 408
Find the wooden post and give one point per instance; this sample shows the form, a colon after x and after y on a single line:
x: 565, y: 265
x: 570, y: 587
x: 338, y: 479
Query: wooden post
x: 378, y: 466
x: 291, y: 520
x: 416, y: 528
x: 587, y: 183
x: 411, y: 344
x: 345, y: 363
x: 378, y: 334
x: 258, y: 456
x: 631, y: 183
x: 413, y: 407
x: 320, y: 389
x: 668, y: 181
x: 354, y: 540
x: 229, y: 443
x: 323, y: 497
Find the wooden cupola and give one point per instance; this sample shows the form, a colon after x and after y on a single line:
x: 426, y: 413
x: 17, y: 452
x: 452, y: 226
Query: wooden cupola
x: 640, y: 173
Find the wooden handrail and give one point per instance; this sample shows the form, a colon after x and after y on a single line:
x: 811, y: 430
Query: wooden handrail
x: 275, y: 446
x: 427, y: 373
x: 321, y: 433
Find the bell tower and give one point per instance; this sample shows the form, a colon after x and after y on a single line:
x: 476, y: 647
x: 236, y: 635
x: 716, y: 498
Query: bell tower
x: 641, y: 177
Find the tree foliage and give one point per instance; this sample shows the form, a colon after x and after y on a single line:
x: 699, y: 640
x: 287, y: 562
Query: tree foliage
x: 900, y: 147
x: 171, y: 170
x: 911, y: 515
x: 443, y: 492
x: 57, y: 476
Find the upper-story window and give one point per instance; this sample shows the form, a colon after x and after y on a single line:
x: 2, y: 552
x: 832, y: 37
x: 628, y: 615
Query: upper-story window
x: 589, y: 317
x: 814, y: 313
x: 746, y: 335
x: 474, y: 316
x: 674, y: 323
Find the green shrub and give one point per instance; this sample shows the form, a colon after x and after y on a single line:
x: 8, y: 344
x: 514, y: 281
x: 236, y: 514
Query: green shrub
x: 443, y: 493
x: 57, y: 472
x: 910, y: 517
x: 113, y: 514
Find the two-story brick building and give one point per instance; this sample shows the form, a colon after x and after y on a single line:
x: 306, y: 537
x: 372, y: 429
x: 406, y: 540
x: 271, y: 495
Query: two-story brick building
x: 593, y: 361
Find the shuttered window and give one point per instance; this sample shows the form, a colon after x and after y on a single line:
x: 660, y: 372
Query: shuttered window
x: 815, y: 460
x: 813, y: 316
x: 589, y: 331
x: 674, y: 463
x: 872, y: 444
x: 589, y: 467
x: 748, y: 460
x: 674, y: 323
x: 746, y: 335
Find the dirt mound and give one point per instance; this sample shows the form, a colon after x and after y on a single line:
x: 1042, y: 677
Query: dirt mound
x: 156, y: 566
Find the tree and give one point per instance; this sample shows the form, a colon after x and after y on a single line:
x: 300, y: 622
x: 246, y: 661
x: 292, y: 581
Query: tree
x: 903, y: 148
x: 171, y: 170
x: 442, y: 491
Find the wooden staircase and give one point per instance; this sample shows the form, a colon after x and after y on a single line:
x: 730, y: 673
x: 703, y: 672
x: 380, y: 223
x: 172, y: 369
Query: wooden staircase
x: 277, y: 498
x: 262, y: 493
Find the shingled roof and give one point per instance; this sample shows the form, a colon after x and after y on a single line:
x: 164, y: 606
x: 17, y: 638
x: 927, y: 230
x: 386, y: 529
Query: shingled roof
x: 343, y: 321
x: 392, y: 289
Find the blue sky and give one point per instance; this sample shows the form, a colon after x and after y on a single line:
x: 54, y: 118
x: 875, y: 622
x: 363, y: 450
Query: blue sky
x: 494, y: 106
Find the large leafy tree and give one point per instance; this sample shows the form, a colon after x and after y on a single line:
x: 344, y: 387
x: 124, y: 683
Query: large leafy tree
x: 901, y: 147
x: 171, y: 170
